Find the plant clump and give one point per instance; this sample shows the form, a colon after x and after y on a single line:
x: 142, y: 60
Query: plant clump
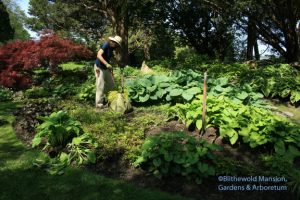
x: 176, y: 153
x: 65, y: 141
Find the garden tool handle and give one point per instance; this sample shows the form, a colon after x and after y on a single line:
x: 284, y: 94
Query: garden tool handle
x: 122, y: 79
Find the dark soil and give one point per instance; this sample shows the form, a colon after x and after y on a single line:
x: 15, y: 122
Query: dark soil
x: 29, y: 116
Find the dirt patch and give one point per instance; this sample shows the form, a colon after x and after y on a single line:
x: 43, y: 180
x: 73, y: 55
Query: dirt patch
x: 28, y: 117
x: 23, y: 130
x: 167, y: 127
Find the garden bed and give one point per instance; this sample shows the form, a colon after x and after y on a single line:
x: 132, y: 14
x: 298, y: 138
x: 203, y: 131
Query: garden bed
x: 115, y: 166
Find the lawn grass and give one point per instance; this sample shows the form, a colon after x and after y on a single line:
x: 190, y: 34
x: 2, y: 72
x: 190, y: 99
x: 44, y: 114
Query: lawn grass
x: 283, y: 107
x: 73, y: 65
x: 20, y: 180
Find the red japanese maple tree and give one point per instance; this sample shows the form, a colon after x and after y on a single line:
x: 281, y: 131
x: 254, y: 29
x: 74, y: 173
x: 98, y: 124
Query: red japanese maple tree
x: 18, y: 58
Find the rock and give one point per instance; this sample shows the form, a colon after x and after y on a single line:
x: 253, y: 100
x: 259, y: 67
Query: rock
x: 210, y: 135
x: 284, y: 114
x: 288, y: 114
x: 145, y: 69
x: 252, y: 63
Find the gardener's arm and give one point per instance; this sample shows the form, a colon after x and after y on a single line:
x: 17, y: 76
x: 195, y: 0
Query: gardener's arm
x: 100, y: 57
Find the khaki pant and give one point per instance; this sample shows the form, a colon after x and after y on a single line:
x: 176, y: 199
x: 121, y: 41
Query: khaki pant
x: 104, y: 84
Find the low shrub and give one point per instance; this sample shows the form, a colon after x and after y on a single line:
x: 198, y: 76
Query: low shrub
x: 37, y: 92
x: 176, y: 153
x: 5, y: 94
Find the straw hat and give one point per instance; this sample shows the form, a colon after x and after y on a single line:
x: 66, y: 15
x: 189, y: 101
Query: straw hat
x: 116, y: 39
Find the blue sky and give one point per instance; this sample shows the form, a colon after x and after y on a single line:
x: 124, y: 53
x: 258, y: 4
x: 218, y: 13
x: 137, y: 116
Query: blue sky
x: 24, y: 6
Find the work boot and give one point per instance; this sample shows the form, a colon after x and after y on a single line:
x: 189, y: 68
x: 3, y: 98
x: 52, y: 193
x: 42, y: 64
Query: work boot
x: 100, y: 106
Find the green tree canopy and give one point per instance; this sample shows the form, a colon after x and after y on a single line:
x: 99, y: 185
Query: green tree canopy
x: 6, y: 30
x: 17, y: 20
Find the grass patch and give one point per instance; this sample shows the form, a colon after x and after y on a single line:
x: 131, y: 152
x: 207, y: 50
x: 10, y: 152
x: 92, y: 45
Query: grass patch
x: 19, y: 180
x: 73, y: 65
x: 117, y: 133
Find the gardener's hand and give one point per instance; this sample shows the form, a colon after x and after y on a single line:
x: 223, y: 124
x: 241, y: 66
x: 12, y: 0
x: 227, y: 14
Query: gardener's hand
x: 98, y: 72
x: 109, y: 66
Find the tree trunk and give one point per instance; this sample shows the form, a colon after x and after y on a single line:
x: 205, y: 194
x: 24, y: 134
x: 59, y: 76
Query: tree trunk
x: 292, y: 47
x: 298, y: 35
x: 250, y: 39
x: 117, y: 14
x: 256, y: 50
x: 121, y: 29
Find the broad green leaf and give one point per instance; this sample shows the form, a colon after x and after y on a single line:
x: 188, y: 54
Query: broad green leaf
x: 199, y: 124
x: 144, y: 98
x: 203, y: 167
x: 168, y: 97
x: 153, y: 97
x: 256, y: 96
x: 295, y: 96
x: 91, y: 157
x: 293, y: 150
x: 266, y: 91
x: 152, y: 88
x: 243, y: 95
x: 178, y: 159
x: 279, y: 147
x: 141, y: 91
x: 187, y: 96
x: 138, y: 161
x: 146, y: 83
x: 63, y: 157
x: 222, y: 81
x: 160, y: 93
x: 157, y: 162
x: 244, y: 131
x: 176, y: 92
x: 168, y: 157
x: 193, y: 90
x: 164, y: 85
x: 234, y: 138
x: 76, y: 140
x: 219, y: 88
x: 189, y: 122
x: 193, y: 159
x: 285, y: 93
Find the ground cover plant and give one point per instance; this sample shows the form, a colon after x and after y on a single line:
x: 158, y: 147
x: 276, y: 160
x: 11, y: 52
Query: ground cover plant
x: 65, y: 141
x: 177, y: 153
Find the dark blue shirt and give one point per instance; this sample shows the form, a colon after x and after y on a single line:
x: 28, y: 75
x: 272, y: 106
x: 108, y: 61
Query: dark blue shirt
x: 107, y: 54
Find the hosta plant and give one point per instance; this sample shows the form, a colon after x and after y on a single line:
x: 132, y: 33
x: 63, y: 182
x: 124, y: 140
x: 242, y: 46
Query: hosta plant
x: 64, y: 134
x: 178, y: 86
x: 248, y: 124
x: 57, y: 130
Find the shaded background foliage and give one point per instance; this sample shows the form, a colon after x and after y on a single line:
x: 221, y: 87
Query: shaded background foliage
x: 6, y: 30
x: 210, y: 27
